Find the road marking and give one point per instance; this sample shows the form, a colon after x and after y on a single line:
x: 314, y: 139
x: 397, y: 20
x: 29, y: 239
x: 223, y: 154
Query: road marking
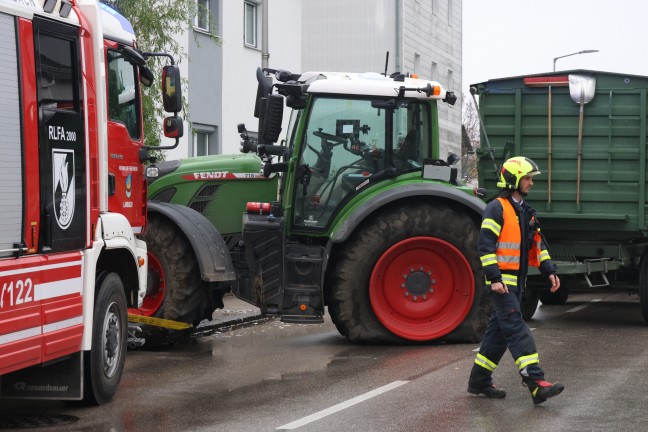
x: 581, y: 307
x: 339, y: 407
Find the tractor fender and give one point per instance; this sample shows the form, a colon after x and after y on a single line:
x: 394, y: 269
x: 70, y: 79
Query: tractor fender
x: 213, y: 257
x: 448, y: 193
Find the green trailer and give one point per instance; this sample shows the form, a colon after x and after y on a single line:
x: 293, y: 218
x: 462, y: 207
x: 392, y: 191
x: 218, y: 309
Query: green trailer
x: 587, y: 132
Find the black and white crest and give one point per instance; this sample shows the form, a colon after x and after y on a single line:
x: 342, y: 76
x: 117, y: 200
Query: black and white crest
x: 63, y: 186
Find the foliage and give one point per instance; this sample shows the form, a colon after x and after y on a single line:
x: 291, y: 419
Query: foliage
x: 157, y: 25
x: 471, y: 129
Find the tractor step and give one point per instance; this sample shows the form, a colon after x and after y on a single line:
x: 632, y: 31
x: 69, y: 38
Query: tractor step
x: 302, y: 319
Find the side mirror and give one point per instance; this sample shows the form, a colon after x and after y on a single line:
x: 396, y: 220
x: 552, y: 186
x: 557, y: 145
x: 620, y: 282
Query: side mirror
x: 146, y: 76
x: 173, y: 127
x: 264, y: 89
x: 452, y: 159
x: 270, y: 118
x: 450, y: 98
x: 171, y: 89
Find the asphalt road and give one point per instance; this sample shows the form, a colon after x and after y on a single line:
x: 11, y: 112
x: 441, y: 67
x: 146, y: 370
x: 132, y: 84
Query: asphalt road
x: 273, y: 376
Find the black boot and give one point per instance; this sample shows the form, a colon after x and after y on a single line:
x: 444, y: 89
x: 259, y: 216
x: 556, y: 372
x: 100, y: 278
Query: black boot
x: 542, y: 390
x: 488, y: 391
x: 481, y: 382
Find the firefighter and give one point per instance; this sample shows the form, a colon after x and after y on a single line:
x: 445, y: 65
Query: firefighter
x: 509, y: 242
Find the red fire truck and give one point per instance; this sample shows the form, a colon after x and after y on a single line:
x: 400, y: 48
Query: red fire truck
x: 73, y: 195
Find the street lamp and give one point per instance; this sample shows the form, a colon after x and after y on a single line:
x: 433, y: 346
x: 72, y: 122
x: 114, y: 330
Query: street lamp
x: 567, y: 55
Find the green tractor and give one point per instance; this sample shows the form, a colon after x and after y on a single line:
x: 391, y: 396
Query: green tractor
x: 354, y: 210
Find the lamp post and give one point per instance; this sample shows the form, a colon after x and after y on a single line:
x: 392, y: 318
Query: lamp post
x: 567, y: 55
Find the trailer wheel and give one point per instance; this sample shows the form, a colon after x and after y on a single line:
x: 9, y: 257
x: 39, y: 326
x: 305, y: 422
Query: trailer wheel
x: 175, y: 290
x: 529, y: 303
x: 557, y: 298
x: 409, y: 275
x: 105, y: 361
x: 643, y: 287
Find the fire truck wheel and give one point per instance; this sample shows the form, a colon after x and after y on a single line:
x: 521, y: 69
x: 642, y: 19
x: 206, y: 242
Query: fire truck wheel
x: 409, y: 275
x: 175, y: 290
x: 105, y: 361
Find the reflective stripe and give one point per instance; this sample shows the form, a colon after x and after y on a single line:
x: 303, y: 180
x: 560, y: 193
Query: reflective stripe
x: 508, y: 259
x: 485, y: 363
x: 525, y: 361
x: 492, y: 225
x: 59, y: 325
x: 509, y: 279
x: 508, y: 245
x: 21, y: 334
x: 544, y: 255
x: 488, y: 259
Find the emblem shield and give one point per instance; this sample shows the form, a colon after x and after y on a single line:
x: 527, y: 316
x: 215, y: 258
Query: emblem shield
x: 63, y: 188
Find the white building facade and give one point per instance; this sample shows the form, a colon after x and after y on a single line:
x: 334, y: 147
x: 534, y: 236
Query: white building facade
x: 421, y: 36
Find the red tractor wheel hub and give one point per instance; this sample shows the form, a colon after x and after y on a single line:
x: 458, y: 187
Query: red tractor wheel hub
x: 422, y: 288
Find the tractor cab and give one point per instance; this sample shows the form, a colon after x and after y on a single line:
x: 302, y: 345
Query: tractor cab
x: 347, y: 131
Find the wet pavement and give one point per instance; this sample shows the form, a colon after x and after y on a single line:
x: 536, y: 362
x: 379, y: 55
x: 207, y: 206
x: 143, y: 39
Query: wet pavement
x: 265, y: 375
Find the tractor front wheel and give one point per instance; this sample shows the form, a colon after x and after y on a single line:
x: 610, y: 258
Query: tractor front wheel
x: 175, y: 290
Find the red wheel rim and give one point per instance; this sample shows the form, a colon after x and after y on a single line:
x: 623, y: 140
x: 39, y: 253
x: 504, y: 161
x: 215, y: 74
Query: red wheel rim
x: 421, y: 288
x: 156, y: 287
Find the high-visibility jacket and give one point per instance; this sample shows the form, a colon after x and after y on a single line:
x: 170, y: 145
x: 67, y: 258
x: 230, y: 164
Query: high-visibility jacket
x: 510, y: 241
x: 507, y: 244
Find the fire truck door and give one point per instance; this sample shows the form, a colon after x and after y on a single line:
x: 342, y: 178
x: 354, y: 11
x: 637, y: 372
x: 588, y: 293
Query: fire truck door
x: 61, y: 135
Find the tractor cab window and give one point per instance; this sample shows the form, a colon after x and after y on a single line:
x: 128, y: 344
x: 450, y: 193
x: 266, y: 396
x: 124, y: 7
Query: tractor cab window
x: 123, y: 105
x: 344, y: 143
x: 411, y: 136
x: 294, y: 120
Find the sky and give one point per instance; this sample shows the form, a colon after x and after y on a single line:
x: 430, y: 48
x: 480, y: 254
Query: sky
x: 505, y: 38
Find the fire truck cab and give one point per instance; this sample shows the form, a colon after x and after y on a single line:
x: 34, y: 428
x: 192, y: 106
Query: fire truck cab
x: 73, y: 195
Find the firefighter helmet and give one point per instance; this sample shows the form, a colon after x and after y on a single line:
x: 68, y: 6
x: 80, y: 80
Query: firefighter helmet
x: 514, y: 169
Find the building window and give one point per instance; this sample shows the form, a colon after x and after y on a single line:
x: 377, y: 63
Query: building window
x: 201, y: 144
x: 433, y: 72
x: 450, y: 83
x: 450, y: 12
x: 205, y: 142
x: 250, y: 24
x: 201, y: 20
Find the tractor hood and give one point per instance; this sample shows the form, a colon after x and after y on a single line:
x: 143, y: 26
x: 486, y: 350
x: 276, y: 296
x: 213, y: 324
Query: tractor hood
x: 218, y: 187
x: 210, y: 168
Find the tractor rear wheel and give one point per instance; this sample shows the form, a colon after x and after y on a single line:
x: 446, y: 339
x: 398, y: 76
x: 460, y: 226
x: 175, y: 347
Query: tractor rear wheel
x: 175, y: 290
x: 409, y: 274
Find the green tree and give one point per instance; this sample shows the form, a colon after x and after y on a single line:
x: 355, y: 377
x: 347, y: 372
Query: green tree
x: 157, y: 25
x: 470, y: 128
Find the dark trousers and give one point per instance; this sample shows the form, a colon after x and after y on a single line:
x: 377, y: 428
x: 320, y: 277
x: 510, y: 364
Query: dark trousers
x: 506, y: 329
